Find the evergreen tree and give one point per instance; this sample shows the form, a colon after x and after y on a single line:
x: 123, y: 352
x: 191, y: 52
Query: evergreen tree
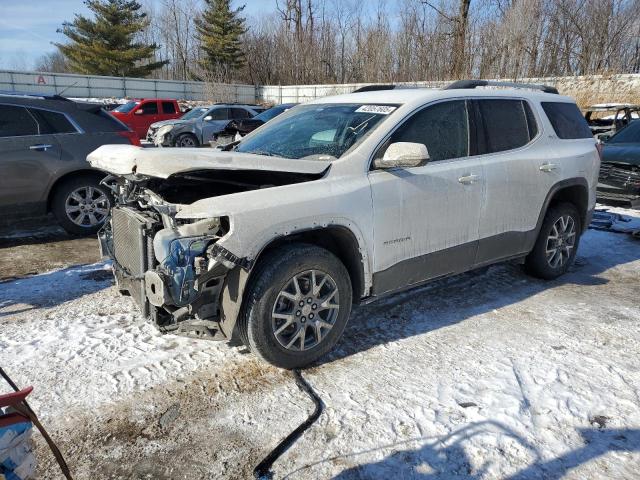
x: 106, y: 45
x: 219, y: 30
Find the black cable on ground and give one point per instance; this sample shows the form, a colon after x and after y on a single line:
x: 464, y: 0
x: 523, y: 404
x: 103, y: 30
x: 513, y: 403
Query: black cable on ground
x: 263, y: 470
x: 26, y: 410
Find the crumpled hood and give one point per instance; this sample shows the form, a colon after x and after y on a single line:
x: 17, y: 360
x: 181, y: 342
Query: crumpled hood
x: 621, y: 153
x: 174, y: 121
x: 163, y: 162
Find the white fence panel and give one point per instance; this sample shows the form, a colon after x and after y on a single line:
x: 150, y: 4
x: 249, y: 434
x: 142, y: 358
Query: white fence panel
x: 91, y: 86
x: 613, y: 87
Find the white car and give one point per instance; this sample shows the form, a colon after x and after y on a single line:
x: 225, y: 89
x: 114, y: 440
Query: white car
x: 344, y: 200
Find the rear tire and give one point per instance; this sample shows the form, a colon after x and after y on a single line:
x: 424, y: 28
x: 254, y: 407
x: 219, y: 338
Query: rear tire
x: 289, y: 326
x: 186, y: 140
x: 557, y: 243
x: 81, y: 204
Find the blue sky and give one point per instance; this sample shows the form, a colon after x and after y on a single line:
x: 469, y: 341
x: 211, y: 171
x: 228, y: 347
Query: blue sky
x: 27, y: 27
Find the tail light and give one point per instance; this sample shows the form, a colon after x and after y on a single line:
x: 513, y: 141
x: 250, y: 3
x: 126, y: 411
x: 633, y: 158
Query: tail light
x: 131, y: 136
x: 599, y: 147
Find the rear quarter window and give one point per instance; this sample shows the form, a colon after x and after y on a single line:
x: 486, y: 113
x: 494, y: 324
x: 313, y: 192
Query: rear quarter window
x: 52, y: 122
x: 566, y: 120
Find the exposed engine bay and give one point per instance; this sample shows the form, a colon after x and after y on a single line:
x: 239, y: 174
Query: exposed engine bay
x: 173, y: 268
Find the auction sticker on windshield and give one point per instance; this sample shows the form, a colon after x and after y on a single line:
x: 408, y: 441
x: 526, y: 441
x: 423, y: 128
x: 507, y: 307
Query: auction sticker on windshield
x: 381, y: 109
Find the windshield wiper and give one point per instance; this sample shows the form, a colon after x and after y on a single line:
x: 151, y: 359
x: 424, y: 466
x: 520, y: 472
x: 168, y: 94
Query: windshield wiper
x: 262, y: 152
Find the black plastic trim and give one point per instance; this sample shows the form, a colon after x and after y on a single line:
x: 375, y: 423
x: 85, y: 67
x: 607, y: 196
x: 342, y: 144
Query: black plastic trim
x: 416, y: 270
x: 569, y: 182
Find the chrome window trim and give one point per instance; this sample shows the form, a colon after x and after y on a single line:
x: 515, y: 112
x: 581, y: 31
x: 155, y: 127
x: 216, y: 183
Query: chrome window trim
x: 540, y: 125
x: 74, y: 124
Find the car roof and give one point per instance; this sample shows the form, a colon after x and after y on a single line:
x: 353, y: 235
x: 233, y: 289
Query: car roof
x: 240, y: 105
x: 47, y: 102
x: 419, y: 96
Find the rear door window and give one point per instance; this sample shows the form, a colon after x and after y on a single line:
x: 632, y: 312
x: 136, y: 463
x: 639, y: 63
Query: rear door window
x: 219, y: 114
x: 239, y: 113
x: 168, y: 107
x: 16, y: 122
x: 52, y: 122
x: 508, y: 124
x: 443, y: 128
x: 566, y: 120
x: 149, y: 108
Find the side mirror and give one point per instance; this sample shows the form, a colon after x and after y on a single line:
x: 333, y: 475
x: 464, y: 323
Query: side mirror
x: 603, y: 138
x: 403, y: 154
x: 138, y: 112
x: 208, y: 118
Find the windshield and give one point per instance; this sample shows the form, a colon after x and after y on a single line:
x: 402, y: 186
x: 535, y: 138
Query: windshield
x: 321, y: 131
x: 126, y: 108
x: 629, y: 134
x: 195, y: 113
x: 272, y: 113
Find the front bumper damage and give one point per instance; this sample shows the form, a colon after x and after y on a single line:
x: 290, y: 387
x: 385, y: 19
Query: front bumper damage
x: 175, y: 274
x: 619, y: 182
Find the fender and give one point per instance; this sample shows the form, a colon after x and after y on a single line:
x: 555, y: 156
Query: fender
x: 232, y: 295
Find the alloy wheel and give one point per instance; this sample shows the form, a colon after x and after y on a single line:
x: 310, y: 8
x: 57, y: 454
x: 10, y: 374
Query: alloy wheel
x: 186, y: 141
x: 305, y: 310
x: 561, y: 241
x: 87, y: 206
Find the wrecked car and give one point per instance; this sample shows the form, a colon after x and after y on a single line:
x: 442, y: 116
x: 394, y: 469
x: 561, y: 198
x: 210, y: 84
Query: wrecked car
x: 198, y: 127
x: 605, y: 119
x: 619, y: 179
x: 345, y: 200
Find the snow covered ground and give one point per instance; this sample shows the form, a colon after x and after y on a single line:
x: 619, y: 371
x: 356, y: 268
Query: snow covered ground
x: 486, y: 375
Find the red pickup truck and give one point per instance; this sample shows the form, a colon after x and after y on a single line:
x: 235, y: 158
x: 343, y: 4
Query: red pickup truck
x: 139, y: 114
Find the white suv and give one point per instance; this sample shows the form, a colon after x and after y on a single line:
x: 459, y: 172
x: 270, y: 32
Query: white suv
x: 343, y: 200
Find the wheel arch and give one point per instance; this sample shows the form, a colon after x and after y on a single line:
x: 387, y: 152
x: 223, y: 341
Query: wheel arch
x: 338, y: 239
x: 572, y: 190
x: 88, y: 172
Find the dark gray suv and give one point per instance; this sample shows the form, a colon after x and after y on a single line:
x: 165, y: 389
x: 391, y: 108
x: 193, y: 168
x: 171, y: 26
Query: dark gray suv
x: 44, y: 143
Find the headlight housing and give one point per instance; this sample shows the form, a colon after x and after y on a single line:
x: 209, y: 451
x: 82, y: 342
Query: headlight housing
x: 163, y: 130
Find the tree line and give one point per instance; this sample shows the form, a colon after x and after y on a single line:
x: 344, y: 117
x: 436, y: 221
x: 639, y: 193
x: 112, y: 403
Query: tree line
x: 348, y: 41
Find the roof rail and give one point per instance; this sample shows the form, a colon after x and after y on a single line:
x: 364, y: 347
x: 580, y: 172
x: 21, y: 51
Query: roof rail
x: 11, y: 93
x: 460, y: 84
x: 374, y: 88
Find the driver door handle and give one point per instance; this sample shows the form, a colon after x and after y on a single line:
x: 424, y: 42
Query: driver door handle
x: 468, y: 179
x: 41, y: 147
x: 548, y: 167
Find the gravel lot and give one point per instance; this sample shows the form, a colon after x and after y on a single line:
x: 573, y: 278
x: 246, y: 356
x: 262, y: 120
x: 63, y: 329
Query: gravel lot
x: 486, y: 375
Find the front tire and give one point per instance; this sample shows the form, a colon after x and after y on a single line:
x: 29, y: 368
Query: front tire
x: 557, y: 243
x: 186, y: 140
x: 296, y: 306
x: 81, y: 204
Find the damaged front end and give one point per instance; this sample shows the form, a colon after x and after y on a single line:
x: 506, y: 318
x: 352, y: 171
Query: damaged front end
x: 173, y: 270
x: 619, y: 182
x: 173, y: 264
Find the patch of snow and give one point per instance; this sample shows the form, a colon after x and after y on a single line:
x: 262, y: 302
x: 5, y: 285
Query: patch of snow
x: 489, y: 374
